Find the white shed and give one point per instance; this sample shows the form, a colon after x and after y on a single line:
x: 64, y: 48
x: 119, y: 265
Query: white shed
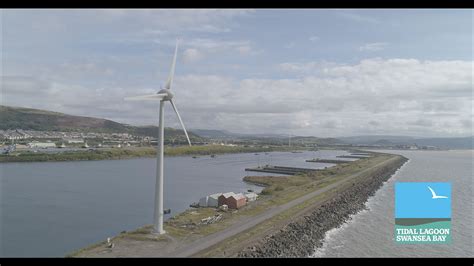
x: 251, y: 196
x: 203, y: 201
x: 209, y: 201
x: 212, y: 200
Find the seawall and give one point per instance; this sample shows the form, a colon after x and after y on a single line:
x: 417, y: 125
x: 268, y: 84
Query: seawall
x: 300, y: 237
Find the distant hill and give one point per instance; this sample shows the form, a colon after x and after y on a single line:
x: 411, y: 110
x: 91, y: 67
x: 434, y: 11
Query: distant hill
x: 316, y: 140
x: 224, y: 134
x: 268, y: 137
x: 445, y: 143
x: 215, y: 134
x: 377, y: 139
x: 35, y: 119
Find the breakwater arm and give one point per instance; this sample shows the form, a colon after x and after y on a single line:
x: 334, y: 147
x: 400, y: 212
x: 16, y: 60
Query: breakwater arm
x: 302, y: 235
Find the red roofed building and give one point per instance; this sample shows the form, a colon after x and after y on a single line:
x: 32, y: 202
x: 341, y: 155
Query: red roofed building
x: 232, y: 200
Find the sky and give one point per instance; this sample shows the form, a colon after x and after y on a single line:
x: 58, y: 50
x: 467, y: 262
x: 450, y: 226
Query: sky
x: 314, y: 72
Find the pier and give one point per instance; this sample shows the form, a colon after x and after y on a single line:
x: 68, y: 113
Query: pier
x: 285, y: 170
x: 353, y: 156
x: 327, y: 161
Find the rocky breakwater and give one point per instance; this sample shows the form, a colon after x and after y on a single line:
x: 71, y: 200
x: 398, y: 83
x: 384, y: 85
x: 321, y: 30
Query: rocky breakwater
x: 300, y: 237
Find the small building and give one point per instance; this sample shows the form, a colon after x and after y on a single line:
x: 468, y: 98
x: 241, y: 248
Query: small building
x: 42, y: 145
x: 213, y: 200
x: 210, y: 201
x: 251, y: 196
x: 232, y: 200
x: 203, y: 201
x: 222, y: 198
x: 74, y: 140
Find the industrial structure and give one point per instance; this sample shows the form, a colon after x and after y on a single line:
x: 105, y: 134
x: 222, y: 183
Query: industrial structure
x: 164, y: 95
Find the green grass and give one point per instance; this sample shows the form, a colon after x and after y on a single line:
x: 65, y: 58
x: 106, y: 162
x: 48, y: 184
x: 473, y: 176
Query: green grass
x: 260, y: 229
x: 87, y: 155
x: 281, y: 189
x: 131, y: 152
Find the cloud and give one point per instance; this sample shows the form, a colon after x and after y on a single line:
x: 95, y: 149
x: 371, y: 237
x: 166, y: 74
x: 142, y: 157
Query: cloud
x: 177, y: 20
x: 373, y: 96
x: 357, y: 17
x: 374, y: 123
x: 290, y: 45
x: 306, y: 67
x: 216, y: 44
x: 192, y: 55
x: 466, y: 123
x: 85, y: 61
x: 373, y: 47
x: 211, y: 29
x: 244, y: 50
x: 23, y: 85
x: 421, y: 122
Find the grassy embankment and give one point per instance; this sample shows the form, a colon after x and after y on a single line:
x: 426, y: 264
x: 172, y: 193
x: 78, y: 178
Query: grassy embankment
x: 132, y: 152
x: 185, y: 227
x: 234, y: 244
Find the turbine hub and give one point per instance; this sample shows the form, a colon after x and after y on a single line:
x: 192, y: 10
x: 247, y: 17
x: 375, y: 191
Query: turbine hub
x: 169, y: 94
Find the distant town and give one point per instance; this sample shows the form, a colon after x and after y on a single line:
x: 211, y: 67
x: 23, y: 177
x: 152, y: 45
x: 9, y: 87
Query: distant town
x: 31, y: 139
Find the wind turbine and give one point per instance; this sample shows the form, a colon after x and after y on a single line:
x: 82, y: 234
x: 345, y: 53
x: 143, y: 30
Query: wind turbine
x: 164, y: 95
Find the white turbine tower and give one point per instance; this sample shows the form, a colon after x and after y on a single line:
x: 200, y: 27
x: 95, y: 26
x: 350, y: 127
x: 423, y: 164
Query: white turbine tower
x: 164, y: 95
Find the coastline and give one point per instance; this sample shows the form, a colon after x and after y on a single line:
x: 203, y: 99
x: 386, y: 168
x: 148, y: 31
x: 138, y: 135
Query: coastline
x: 303, y: 235
x: 320, y: 252
x: 243, y: 233
x: 140, y: 152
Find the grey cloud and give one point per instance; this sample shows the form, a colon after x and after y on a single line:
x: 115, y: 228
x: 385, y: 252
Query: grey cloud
x: 374, y: 123
x: 466, y: 123
x: 24, y: 85
x: 330, y: 124
x: 394, y: 96
x: 421, y: 122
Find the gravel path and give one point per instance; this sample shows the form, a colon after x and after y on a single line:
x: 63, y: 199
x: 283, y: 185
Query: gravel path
x: 250, y: 222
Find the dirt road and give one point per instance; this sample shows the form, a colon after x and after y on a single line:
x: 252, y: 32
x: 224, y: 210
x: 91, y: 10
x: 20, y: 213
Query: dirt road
x: 210, y: 240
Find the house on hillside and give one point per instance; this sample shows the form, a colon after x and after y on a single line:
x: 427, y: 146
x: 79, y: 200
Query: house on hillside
x: 42, y: 145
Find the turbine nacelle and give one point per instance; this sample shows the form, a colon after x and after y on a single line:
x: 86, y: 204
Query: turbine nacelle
x: 167, y: 94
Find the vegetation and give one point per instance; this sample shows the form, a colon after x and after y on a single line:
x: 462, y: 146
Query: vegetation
x: 41, y: 120
x: 87, y: 155
x: 220, y: 149
x: 185, y: 227
x: 129, y: 152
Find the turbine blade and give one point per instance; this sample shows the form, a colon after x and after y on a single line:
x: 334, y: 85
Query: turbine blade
x: 151, y: 97
x: 173, y: 66
x: 181, y: 121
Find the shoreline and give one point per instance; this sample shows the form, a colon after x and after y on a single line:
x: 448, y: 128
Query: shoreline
x: 321, y: 251
x: 313, y: 226
x: 135, y: 153
x: 238, y: 232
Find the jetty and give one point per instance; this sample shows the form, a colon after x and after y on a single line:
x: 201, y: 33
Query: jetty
x: 353, y: 156
x: 361, y: 153
x: 282, y: 213
x: 285, y: 170
x: 327, y: 161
